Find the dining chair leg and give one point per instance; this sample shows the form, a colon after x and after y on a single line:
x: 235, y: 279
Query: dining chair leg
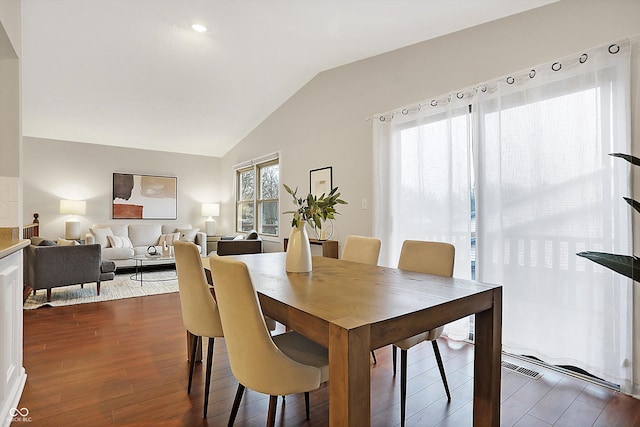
x: 393, y: 353
x: 306, y: 403
x: 192, y: 361
x: 207, y: 380
x: 436, y: 350
x: 271, y: 416
x: 236, y: 404
x: 403, y: 385
x: 373, y: 354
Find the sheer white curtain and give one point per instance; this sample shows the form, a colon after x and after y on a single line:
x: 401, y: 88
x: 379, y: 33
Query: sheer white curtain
x: 422, y: 183
x: 547, y: 189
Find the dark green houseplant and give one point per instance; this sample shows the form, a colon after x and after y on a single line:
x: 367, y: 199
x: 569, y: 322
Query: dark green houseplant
x: 313, y: 209
x: 626, y: 265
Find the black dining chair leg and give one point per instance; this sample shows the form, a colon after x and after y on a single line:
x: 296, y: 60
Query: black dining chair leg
x: 207, y: 380
x: 306, y: 403
x: 393, y: 353
x: 436, y: 350
x: 373, y: 354
x: 236, y: 404
x: 192, y: 361
x: 403, y: 385
x: 271, y: 416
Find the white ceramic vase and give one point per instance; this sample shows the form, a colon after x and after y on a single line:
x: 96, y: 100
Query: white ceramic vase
x: 298, y: 250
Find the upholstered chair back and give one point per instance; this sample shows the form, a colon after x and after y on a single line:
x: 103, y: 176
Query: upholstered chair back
x: 255, y: 360
x: 365, y: 250
x: 199, y: 310
x: 427, y: 257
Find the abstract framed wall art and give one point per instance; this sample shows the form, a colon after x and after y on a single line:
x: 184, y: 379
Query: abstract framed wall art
x: 144, y: 196
x: 320, y: 181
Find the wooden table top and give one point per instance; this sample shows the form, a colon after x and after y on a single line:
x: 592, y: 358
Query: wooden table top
x: 333, y: 290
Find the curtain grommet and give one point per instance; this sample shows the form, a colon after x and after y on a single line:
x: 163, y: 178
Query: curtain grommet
x: 583, y: 58
x: 532, y: 74
x: 556, y: 66
x: 510, y: 80
x: 614, y: 48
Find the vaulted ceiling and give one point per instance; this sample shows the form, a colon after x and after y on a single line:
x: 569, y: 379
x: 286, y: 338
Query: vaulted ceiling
x: 133, y: 73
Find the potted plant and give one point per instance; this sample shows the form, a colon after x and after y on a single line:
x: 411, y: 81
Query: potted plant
x: 627, y: 265
x: 314, y: 210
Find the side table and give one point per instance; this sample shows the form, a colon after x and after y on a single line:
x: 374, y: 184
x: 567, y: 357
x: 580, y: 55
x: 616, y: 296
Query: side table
x: 329, y: 247
x: 212, y: 243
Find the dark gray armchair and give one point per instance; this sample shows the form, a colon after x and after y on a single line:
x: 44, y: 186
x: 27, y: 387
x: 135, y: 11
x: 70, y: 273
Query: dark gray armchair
x: 47, y: 267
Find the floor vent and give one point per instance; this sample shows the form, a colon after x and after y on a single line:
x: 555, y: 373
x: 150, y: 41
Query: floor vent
x: 521, y: 370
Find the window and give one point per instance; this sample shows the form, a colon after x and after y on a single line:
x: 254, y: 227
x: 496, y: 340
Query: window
x: 257, y: 193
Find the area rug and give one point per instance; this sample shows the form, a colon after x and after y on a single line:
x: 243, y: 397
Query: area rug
x: 123, y: 286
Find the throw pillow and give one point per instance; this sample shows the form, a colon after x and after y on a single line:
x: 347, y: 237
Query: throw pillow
x: 45, y: 242
x: 119, y: 242
x: 100, y: 234
x: 253, y: 235
x: 169, y: 238
x: 188, y: 234
x: 65, y: 242
x: 239, y: 237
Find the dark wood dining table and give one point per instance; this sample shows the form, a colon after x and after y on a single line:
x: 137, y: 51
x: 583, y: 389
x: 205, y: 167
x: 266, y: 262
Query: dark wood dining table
x: 353, y: 308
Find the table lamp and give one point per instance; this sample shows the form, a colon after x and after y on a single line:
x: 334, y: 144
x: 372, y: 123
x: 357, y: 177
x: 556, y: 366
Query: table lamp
x: 72, y: 225
x: 210, y: 210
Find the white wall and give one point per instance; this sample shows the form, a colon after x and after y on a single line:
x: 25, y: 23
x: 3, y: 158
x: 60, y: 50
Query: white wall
x: 324, y: 123
x: 10, y: 109
x: 55, y: 170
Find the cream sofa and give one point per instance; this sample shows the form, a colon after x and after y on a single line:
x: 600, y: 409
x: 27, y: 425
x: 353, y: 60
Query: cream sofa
x: 114, y: 240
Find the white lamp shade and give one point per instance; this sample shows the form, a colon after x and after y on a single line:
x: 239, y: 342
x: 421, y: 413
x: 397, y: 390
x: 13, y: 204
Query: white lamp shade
x: 73, y: 207
x: 210, y: 209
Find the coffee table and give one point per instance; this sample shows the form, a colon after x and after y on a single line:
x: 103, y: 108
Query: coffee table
x: 150, y: 260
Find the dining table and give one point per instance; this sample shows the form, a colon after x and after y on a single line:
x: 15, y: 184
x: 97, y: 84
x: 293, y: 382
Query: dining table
x: 353, y: 308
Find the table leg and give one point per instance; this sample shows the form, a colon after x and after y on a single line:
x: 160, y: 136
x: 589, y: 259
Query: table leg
x: 349, y: 376
x: 487, y: 371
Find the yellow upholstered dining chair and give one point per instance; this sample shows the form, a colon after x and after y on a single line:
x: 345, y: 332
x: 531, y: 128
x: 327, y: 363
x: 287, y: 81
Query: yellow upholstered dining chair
x: 199, y: 309
x: 275, y: 365
x: 431, y: 258
x: 365, y: 250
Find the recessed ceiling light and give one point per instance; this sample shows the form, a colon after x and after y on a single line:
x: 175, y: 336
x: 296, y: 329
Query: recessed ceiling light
x: 199, y: 28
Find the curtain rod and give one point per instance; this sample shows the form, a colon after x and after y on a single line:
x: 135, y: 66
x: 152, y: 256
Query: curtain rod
x: 471, y: 91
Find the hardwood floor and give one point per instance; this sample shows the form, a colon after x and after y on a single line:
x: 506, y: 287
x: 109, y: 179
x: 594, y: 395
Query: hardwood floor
x: 124, y: 363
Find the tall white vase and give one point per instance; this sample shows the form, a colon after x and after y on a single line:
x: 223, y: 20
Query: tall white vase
x: 298, y: 250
